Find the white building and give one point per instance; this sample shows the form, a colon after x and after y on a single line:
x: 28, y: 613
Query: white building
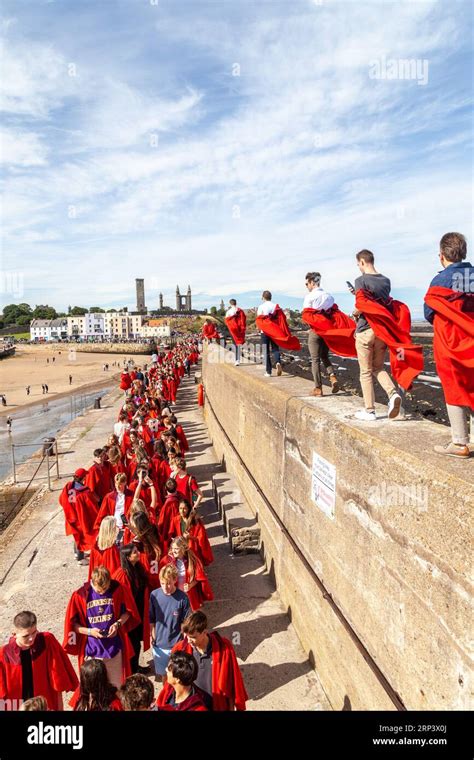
x: 86, y: 325
x: 156, y: 331
x: 40, y: 329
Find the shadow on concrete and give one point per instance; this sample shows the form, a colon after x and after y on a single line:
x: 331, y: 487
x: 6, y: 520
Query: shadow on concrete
x: 261, y: 679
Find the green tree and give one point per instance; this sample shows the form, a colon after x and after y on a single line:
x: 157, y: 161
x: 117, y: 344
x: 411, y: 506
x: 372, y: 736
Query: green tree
x: 213, y: 311
x: 23, y: 320
x: 13, y: 311
x: 96, y: 310
x: 44, y: 312
x: 78, y: 311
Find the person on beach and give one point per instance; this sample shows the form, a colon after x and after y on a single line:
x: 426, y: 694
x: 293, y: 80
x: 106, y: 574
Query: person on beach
x: 449, y: 307
x: 33, y: 664
x: 9, y: 424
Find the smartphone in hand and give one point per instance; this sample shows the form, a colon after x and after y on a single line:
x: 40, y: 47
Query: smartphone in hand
x: 350, y: 286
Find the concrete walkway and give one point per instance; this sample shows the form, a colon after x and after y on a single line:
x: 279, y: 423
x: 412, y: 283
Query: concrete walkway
x: 42, y: 572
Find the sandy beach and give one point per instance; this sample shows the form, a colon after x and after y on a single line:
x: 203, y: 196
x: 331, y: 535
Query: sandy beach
x: 30, y: 366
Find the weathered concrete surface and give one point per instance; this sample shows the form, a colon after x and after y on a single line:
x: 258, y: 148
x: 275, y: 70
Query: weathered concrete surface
x: 397, y: 564
x: 42, y: 571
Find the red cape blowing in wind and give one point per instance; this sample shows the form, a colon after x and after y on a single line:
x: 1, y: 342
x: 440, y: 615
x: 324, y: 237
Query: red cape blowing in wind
x: 276, y: 327
x: 453, y: 343
x: 237, y: 326
x: 392, y: 324
x: 210, y: 331
x: 335, y: 327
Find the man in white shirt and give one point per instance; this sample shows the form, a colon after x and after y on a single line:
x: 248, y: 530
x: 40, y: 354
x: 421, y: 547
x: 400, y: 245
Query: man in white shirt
x: 317, y: 298
x: 265, y: 308
x: 231, y: 312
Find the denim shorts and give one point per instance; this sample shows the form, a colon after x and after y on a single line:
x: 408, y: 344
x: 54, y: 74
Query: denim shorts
x: 160, y: 660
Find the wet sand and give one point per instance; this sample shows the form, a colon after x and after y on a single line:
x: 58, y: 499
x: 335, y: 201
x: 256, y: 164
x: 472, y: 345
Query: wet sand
x: 30, y: 367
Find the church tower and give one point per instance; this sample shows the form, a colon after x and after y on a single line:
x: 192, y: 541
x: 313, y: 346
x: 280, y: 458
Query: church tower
x: 178, y: 299
x: 189, y: 305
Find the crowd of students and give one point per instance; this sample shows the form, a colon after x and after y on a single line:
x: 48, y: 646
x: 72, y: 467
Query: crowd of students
x: 377, y: 323
x: 134, y: 519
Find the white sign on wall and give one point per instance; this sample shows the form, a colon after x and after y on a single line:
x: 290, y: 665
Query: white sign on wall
x: 323, y: 485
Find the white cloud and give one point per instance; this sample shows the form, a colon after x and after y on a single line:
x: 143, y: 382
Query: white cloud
x: 21, y: 148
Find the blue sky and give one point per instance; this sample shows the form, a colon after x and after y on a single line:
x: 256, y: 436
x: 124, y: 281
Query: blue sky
x: 230, y: 145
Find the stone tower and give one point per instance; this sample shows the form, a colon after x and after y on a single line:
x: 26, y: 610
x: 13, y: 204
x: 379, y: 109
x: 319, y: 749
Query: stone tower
x: 140, y: 288
x: 161, y: 300
x: 189, y: 304
x: 178, y: 299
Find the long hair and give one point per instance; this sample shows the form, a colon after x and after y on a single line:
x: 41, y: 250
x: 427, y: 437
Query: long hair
x: 107, y: 533
x: 192, y: 518
x: 188, y: 555
x: 147, y: 534
x: 135, y: 573
x: 96, y: 692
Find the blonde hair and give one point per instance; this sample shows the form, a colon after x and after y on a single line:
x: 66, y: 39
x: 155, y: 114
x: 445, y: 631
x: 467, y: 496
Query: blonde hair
x: 100, y: 577
x: 107, y: 533
x: 36, y: 704
x: 168, y: 571
x: 189, y: 555
x: 137, y: 505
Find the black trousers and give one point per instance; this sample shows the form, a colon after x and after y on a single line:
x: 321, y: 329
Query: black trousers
x: 136, y: 637
x: 319, y: 353
x: 269, y: 347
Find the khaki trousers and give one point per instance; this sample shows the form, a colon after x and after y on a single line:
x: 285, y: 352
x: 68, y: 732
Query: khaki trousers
x: 113, y: 667
x: 371, y: 355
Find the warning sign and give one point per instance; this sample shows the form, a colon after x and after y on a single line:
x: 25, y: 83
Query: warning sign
x: 323, y: 485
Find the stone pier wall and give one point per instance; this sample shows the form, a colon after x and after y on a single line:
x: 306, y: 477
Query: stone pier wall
x: 379, y: 587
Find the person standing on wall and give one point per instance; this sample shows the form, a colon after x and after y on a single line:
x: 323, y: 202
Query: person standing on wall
x: 317, y: 298
x: 266, y: 308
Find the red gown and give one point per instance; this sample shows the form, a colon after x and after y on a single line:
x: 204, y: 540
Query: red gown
x: 194, y: 703
x: 276, y: 327
x: 210, y: 332
x: 198, y: 540
x: 53, y: 672
x: 237, y: 326
x: 453, y: 343
x: 391, y: 323
x: 99, y: 480
x: 335, y: 328
x: 227, y: 683
x: 109, y: 558
x: 168, y: 512
x: 75, y: 643
x: 80, y: 512
x: 202, y: 591
x: 107, y: 508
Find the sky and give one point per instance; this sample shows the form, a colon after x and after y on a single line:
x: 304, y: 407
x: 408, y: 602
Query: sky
x: 230, y: 145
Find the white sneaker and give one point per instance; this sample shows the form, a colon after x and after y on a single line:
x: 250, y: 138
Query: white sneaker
x: 278, y: 369
x: 236, y: 364
x: 267, y: 374
x: 394, y: 404
x: 363, y: 414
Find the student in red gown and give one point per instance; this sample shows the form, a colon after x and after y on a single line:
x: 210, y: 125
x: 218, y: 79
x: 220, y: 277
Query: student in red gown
x: 117, y: 503
x: 99, y: 478
x: 190, y: 526
x: 187, y: 486
x: 180, y: 692
x: 105, y: 552
x: 96, y: 693
x: 219, y: 673
x: 34, y: 664
x: 98, y: 616
x: 449, y: 306
x: 80, y: 512
x: 192, y: 578
x: 134, y: 577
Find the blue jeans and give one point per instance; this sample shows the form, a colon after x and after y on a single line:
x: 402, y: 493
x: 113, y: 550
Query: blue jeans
x: 270, y: 346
